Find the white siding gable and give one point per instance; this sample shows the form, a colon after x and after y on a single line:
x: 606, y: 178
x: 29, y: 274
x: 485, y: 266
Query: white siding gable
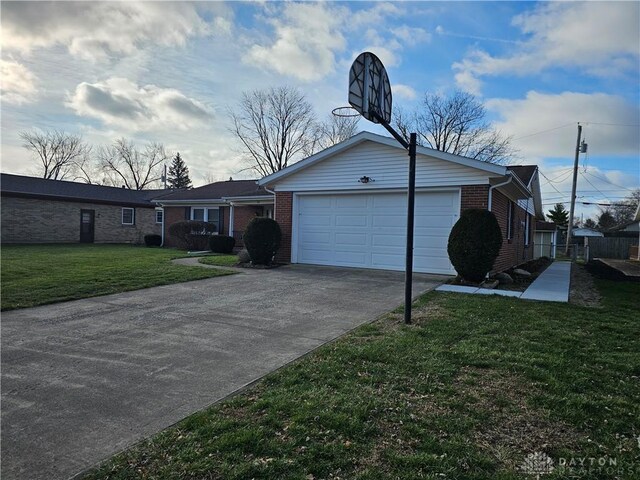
x: 387, y: 166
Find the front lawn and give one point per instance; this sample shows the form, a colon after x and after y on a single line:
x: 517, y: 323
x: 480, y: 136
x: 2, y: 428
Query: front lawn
x: 467, y: 392
x: 220, y: 260
x: 40, y: 274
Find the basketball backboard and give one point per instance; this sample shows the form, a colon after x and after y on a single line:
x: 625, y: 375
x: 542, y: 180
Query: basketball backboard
x: 369, y: 88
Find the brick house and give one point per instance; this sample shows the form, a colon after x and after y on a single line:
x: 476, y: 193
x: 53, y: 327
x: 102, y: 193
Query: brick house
x: 346, y: 205
x: 230, y: 205
x: 36, y: 210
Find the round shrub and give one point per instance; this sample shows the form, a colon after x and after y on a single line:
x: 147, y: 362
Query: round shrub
x: 474, y: 244
x: 221, y: 243
x: 153, y: 240
x: 192, y: 234
x: 262, y: 239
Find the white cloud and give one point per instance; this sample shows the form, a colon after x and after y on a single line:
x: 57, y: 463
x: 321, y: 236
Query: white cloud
x: 410, y: 35
x: 539, y: 111
x: 404, y: 91
x: 18, y: 83
x: 98, y: 30
x: 601, y: 38
x: 307, y: 39
x: 122, y: 103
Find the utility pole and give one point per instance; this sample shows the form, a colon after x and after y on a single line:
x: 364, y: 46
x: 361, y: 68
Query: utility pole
x: 573, y: 191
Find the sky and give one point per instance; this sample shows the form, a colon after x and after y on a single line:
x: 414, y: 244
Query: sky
x: 170, y: 72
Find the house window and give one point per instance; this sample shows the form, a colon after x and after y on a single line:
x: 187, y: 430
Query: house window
x: 159, y: 215
x: 509, y: 220
x: 128, y: 216
x: 197, y: 214
x: 213, y: 216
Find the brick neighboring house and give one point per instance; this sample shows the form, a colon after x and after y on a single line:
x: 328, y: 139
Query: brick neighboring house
x: 230, y: 205
x: 35, y: 210
x: 346, y: 205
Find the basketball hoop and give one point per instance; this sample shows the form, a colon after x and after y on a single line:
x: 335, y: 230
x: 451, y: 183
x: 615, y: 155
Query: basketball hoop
x: 345, y: 112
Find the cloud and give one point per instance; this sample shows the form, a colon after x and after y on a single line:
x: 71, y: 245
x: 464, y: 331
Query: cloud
x: 600, y: 38
x: 306, y: 41
x: 98, y: 30
x: 18, y: 83
x: 539, y: 112
x: 410, y: 35
x: 122, y: 103
x: 404, y: 91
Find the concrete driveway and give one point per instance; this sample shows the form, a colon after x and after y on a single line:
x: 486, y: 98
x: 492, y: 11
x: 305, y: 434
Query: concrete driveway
x: 82, y: 380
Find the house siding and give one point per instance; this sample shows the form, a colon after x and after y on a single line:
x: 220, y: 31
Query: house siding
x: 514, y: 251
x: 387, y: 166
x: 28, y: 220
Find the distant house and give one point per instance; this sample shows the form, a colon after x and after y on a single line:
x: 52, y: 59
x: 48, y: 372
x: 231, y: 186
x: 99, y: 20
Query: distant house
x: 230, y: 205
x: 35, y: 210
x: 585, y: 232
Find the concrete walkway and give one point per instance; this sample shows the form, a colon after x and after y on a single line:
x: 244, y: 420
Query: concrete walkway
x: 551, y: 286
x: 82, y: 380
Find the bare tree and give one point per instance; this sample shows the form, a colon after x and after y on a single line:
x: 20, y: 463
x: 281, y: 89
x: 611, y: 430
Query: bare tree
x: 275, y: 126
x: 332, y: 131
x: 60, y: 153
x: 125, y: 164
x: 456, y: 124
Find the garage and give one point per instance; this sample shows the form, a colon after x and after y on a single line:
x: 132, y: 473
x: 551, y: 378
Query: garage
x: 368, y: 230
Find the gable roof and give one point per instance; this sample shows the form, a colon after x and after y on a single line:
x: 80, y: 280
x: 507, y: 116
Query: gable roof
x: 33, y: 187
x: 388, y: 141
x: 219, y: 191
x: 524, y: 172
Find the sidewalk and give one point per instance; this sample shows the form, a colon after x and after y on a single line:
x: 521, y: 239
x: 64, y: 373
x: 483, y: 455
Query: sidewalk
x: 552, y: 286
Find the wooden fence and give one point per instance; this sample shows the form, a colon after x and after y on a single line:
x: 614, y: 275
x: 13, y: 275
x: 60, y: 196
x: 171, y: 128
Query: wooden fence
x: 610, y: 247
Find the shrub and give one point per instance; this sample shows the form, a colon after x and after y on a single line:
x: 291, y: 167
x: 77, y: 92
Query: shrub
x: 474, y: 244
x: 192, y: 234
x: 243, y: 256
x: 221, y: 243
x: 262, y: 239
x: 153, y: 240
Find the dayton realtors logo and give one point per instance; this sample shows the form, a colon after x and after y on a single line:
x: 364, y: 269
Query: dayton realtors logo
x: 537, y: 463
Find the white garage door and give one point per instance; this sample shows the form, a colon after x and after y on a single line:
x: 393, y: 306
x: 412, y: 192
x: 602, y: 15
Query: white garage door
x: 369, y: 230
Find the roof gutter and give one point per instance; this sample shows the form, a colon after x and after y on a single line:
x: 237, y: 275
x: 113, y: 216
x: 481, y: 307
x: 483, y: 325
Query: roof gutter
x: 489, y: 203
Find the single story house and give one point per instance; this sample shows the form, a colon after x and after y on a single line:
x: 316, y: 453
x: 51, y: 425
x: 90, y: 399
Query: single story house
x: 346, y: 205
x: 230, y: 205
x: 545, y: 239
x: 36, y: 210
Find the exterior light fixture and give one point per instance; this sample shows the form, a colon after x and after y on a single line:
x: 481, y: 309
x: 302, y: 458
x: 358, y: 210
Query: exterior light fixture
x: 366, y: 179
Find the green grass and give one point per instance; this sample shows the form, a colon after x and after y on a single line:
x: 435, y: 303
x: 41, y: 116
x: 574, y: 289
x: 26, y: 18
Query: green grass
x: 220, y: 260
x: 40, y: 274
x: 475, y: 385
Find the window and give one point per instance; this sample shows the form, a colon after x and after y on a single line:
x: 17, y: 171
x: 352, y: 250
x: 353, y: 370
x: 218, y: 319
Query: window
x: 509, y: 220
x: 197, y: 214
x: 213, y: 217
x: 159, y: 215
x: 128, y: 216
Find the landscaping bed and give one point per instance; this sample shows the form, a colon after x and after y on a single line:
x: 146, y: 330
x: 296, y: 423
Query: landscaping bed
x: 518, y: 278
x: 468, y: 391
x: 41, y: 274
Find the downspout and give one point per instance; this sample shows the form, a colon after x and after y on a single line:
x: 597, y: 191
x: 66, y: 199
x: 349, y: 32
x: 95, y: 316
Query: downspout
x: 162, y: 234
x: 490, y: 202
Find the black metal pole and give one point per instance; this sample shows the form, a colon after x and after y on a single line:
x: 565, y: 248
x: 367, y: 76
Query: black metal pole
x: 411, y: 201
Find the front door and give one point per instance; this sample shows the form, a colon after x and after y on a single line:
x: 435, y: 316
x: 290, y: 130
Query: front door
x: 87, y: 225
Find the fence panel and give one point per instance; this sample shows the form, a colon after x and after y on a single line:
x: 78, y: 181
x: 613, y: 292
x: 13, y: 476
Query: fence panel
x: 610, y: 247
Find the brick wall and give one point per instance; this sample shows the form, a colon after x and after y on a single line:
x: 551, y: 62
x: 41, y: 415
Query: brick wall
x: 172, y: 215
x: 283, y: 215
x: 513, y: 251
x: 241, y: 218
x: 474, y: 196
x: 30, y: 220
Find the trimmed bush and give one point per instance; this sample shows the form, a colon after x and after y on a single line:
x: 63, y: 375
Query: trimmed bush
x: 262, y: 239
x: 221, y: 243
x: 474, y: 244
x: 153, y: 240
x: 192, y: 234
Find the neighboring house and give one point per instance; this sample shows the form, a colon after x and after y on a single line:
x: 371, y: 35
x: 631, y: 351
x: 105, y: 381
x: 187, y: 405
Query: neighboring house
x: 545, y: 239
x: 229, y: 205
x: 585, y: 232
x: 35, y: 210
x: 346, y: 206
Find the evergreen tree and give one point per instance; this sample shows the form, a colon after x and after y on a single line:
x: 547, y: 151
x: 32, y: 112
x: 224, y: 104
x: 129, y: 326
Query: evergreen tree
x: 178, y: 174
x: 589, y: 223
x: 606, y: 220
x: 559, y: 215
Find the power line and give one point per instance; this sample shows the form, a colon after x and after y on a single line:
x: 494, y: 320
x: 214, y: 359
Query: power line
x: 545, y: 131
x: 608, y: 181
x: 589, y: 182
x: 552, y: 185
x: 612, y: 124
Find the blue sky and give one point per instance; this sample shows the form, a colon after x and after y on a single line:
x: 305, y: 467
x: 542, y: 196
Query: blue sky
x: 169, y: 72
